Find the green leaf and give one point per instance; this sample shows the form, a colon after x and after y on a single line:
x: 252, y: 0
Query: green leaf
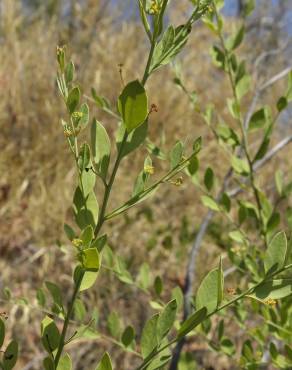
x: 177, y: 294
x: 220, y: 329
x: 49, y: 363
x: 144, y: 276
x: 258, y: 119
x: 99, y: 242
x: 240, y: 165
x: 227, y: 346
x: 2, y: 332
x: 50, y: 334
x: 89, y: 278
x: 171, y: 44
x: 88, y: 179
x: 143, y: 177
x: 249, y: 7
x: 69, y: 72
x: 128, y: 336
x: 65, y: 363
x: 79, y: 310
x: 207, y: 294
x: 193, y: 166
x: 84, y: 157
x: 243, y: 86
x: 209, y: 178
x: 85, y: 209
x: 262, y: 149
x: 218, y: 57
x: 87, y: 235
x: 225, y: 202
x: 166, y: 319
x: 279, y: 180
x: 282, y: 103
x: 10, y: 356
x: 162, y: 51
x: 192, y: 322
x: 86, y: 332
x: 234, y: 108
x: 220, y: 274
x: 273, y: 221
x: 100, y: 101
x: 134, y: 139
x: 149, y: 339
x: 176, y: 154
x: 133, y: 105
x: 101, y: 147
x: 273, y: 289
x: 237, y: 236
x: 158, y: 285
x: 276, y: 253
x: 235, y: 40
x: 55, y: 293
x: 105, y: 363
x: 114, y: 324
x: 73, y: 99
x: 210, y: 203
x: 90, y: 259
x: 69, y: 232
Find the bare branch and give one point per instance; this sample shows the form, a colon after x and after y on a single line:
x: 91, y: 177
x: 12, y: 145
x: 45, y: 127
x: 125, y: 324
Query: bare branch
x: 275, y: 78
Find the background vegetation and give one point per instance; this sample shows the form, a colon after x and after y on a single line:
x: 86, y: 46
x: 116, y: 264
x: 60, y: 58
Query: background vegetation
x: 36, y: 184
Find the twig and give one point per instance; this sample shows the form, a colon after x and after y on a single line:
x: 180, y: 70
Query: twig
x: 260, y: 90
x: 281, y: 145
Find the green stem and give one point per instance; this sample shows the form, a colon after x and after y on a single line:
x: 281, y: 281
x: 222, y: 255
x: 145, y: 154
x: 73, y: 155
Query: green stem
x: 243, y: 130
x: 67, y: 319
x: 109, y: 186
x: 150, y: 56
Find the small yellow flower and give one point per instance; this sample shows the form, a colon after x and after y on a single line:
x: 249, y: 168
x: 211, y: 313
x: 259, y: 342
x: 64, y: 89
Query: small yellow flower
x: 77, y: 115
x: 77, y: 242
x: 149, y: 169
x: 154, y: 8
x: 68, y: 132
x: 210, y: 8
x: 270, y: 302
x: 231, y: 291
x: 178, y: 182
x: 60, y: 50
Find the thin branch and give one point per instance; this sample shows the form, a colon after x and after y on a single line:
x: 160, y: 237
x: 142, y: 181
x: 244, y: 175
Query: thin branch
x: 260, y: 90
x: 278, y: 147
x: 275, y: 78
x: 268, y: 53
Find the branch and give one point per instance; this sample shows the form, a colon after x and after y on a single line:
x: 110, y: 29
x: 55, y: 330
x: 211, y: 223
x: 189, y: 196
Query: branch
x: 281, y: 145
x: 260, y: 90
x: 275, y: 78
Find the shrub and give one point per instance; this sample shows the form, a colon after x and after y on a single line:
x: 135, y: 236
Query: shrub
x: 255, y: 248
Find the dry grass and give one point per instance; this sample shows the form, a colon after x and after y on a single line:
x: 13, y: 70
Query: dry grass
x: 37, y: 173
